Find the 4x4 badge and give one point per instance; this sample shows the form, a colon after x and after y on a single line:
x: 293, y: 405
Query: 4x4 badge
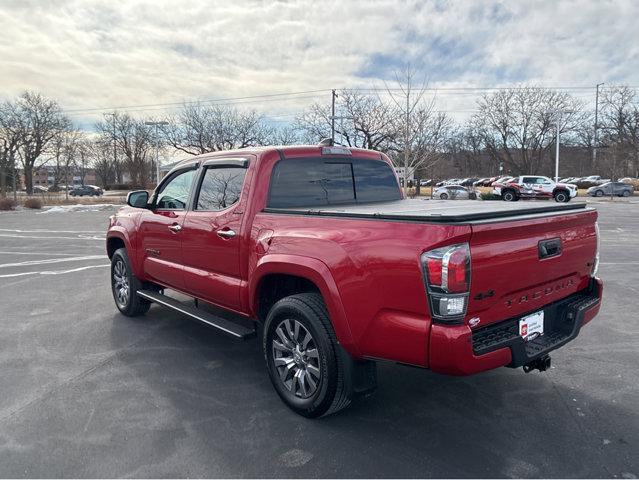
x: 482, y: 295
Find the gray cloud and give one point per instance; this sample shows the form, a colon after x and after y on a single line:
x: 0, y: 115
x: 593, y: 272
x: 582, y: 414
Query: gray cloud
x: 99, y: 53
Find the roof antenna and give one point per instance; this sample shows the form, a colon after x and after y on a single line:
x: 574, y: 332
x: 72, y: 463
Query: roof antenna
x: 327, y: 142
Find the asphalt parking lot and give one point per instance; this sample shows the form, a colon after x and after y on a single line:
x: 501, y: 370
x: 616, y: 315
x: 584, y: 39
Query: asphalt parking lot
x: 86, y: 392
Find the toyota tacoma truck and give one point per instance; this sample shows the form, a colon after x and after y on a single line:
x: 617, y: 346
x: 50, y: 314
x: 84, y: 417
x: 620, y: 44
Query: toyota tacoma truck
x: 315, y: 250
x: 530, y: 186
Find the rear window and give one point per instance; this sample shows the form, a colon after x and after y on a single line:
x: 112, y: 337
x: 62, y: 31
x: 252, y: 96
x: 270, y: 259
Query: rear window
x: 312, y: 182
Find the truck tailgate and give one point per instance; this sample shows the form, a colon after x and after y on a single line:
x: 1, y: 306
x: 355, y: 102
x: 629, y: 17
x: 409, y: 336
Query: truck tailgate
x: 510, y: 278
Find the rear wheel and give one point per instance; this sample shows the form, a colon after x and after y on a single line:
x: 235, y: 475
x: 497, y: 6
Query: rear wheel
x: 125, y: 286
x: 444, y: 196
x: 509, y: 196
x: 302, y: 357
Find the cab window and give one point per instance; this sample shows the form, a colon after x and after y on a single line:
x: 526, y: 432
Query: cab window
x: 221, y: 187
x: 174, y: 194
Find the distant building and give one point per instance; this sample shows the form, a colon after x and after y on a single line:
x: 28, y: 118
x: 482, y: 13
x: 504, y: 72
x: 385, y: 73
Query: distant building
x: 45, y: 176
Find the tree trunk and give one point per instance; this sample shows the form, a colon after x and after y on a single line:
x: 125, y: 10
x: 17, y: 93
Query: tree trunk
x: 3, y: 183
x: 28, y: 180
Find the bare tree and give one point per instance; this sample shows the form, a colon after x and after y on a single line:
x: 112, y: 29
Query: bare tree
x: 39, y: 121
x: 286, y: 135
x: 366, y: 122
x: 200, y: 128
x: 134, y: 141
x: 100, y: 155
x: 422, y: 131
x: 620, y: 126
x: 9, y: 144
x: 518, y: 124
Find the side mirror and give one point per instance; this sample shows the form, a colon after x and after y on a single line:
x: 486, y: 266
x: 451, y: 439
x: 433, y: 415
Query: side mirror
x: 137, y: 199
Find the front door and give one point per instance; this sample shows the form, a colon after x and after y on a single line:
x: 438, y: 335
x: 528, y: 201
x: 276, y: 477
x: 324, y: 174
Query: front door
x: 211, y: 234
x: 160, y: 230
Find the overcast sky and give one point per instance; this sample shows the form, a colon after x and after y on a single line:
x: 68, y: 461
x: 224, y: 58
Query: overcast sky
x: 110, y: 53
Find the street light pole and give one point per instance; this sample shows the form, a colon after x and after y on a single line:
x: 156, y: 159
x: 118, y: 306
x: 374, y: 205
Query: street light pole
x: 157, y: 147
x: 333, y: 96
x: 557, y: 150
x: 115, y: 154
x: 594, y: 141
x: 558, y: 113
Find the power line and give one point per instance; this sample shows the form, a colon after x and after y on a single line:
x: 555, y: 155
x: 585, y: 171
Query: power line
x: 579, y: 91
x: 231, y: 99
x: 295, y: 95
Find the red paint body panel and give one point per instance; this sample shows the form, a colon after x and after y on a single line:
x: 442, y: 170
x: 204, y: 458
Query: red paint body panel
x: 368, y: 270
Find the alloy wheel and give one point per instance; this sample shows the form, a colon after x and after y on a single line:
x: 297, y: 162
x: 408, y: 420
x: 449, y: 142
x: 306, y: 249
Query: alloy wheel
x: 296, y: 358
x: 121, y: 284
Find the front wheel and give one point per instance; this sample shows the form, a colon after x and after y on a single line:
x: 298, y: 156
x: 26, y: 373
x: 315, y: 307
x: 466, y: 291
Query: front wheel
x: 626, y: 193
x: 302, y: 357
x: 562, y: 197
x: 125, y: 286
x: 599, y: 193
x: 444, y: 196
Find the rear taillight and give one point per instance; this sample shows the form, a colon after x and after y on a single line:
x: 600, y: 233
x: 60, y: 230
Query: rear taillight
x: 447, y: 279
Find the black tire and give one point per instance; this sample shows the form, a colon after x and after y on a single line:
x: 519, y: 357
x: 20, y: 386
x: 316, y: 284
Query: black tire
x: 562, y: 196
x: 599, y: 193
x: 130, y: 305
x: 626, y: 193
x: 444, y: 196
x: 509, y: 196
x: 331, y: 392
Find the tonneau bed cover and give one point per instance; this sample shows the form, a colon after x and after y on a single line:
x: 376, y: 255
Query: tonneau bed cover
x: 437, y: 211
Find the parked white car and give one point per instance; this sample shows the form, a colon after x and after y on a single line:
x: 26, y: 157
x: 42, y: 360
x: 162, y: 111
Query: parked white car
x: 455, y: 192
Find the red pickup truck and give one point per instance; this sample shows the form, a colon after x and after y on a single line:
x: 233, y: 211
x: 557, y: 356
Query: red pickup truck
x: 316, y: 250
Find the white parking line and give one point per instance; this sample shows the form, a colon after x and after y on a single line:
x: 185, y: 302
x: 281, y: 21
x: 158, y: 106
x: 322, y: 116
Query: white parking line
x: 36, y: 253
x: 52, y: 260
x: 41, y: 230
x: 53, y: 272
x: 79, y: 237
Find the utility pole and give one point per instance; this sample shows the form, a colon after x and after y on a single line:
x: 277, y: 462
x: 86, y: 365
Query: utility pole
x: 594, y: 144
x: 333, y: 97
x: 115, y: 153
x: 157, y: 148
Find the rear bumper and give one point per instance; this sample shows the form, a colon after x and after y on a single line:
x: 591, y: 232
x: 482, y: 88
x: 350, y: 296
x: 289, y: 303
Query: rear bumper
x: 456, y: 350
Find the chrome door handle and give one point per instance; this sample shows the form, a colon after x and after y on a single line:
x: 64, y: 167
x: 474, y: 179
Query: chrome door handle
x: 226, y: 233
x: 175, y: 228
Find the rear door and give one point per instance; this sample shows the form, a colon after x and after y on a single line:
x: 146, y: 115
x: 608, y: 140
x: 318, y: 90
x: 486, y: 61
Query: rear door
x: 212, y: 233
x: 160, y: 229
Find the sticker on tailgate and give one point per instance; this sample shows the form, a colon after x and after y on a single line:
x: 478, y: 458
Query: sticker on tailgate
x: 532, y: 326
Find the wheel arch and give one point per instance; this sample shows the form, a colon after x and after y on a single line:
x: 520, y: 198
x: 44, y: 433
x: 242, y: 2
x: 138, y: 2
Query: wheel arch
x: 283, y: 274
x: 118, y: 238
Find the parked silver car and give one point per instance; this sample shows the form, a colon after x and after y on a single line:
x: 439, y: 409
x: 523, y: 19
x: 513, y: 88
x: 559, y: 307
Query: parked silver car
x: 455, y: 192
x: 611, y: 188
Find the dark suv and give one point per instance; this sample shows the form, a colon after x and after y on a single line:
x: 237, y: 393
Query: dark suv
x: 89, y: 190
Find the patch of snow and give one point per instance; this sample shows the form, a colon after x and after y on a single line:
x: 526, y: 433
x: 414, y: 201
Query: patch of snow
x: 97, y: 207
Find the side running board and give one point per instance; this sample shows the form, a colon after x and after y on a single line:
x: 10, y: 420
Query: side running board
x: 232, y: 329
